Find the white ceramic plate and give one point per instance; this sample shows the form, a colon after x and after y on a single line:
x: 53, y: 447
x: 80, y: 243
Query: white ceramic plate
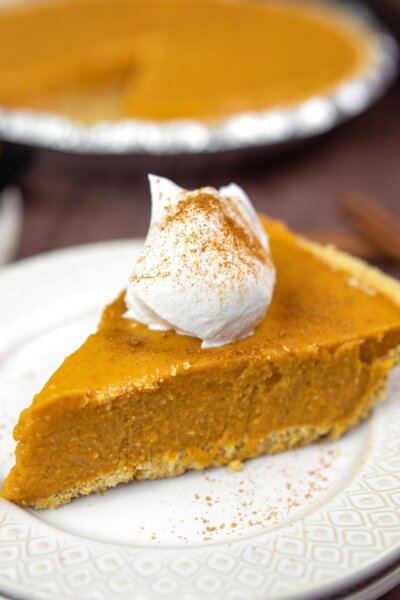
x: 269, y: 128
x: 306, y: 524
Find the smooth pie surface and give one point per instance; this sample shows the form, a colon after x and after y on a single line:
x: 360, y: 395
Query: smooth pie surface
x: 138, y: 403
x: 312, y: 306
x: 168, y: 59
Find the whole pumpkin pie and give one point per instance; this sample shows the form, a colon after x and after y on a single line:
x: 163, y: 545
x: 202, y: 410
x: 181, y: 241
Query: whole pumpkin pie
x: 135, y: 402
x: 170, y: 59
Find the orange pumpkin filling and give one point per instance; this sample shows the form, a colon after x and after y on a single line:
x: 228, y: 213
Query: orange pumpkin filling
x: 167, y: 59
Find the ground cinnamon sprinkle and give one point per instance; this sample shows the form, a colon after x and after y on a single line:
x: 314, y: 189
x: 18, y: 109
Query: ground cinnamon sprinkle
x: 205, y: 202
x: 210, y: 232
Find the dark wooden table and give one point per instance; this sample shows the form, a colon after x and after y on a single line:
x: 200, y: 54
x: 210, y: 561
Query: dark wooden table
x: 73, y: 200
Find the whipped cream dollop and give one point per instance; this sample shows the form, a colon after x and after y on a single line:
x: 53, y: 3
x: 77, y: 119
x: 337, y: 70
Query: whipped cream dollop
x: 205, y: 269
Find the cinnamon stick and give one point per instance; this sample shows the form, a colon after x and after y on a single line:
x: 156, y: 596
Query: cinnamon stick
x: 378, y: 225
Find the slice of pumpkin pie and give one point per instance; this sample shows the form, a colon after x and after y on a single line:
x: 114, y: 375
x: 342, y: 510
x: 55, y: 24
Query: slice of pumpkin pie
x: 235, y: 338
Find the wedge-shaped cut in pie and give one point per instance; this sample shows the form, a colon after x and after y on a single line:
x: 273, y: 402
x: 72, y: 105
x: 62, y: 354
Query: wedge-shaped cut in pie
x: 135, y: 403
x: 96, y: 60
